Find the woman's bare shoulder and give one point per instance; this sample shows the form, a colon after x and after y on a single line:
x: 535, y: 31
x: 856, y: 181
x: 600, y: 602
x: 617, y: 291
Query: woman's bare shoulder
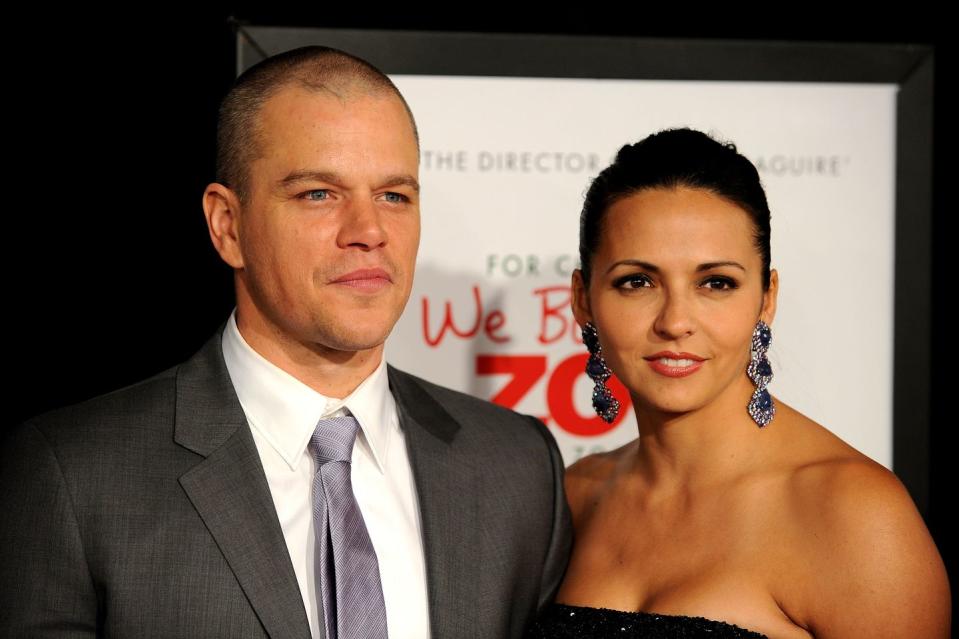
x: 834, y: 486
x: 825, y: 470
x: 586, y: 477
x: 871, y: 557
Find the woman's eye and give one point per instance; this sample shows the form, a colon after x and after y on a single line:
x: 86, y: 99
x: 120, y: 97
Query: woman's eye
x: 633, y: 282
x: 720, y: 284
x: 317, y: 195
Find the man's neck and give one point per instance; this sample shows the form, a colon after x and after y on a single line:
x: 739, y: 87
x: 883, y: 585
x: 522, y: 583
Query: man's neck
x: 330, y: 372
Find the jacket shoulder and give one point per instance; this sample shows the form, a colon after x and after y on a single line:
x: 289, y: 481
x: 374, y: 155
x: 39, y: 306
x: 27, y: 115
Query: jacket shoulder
x: 478, y: 414
x: 128, y: 411
x: 146, y: 401
x: 454, y: 400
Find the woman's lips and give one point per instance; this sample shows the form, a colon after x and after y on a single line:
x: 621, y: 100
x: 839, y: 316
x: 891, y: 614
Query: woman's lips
x: 675, y: 364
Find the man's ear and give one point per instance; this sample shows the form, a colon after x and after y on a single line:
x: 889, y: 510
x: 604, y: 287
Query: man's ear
x: 580, y: 299
x: 221, y: 207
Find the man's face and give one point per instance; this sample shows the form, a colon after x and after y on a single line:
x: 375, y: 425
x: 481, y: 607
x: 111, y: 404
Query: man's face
x: 329, y: 234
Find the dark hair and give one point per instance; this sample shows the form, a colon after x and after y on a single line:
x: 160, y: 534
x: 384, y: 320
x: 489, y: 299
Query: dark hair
x: 670, y: 159
x: 314, y: 68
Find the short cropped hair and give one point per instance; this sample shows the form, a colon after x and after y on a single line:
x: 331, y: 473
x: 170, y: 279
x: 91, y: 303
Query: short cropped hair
x: 313, y: 68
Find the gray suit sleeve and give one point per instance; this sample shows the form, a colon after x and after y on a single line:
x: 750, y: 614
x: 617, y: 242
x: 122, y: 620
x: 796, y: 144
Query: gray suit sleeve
x: 45, y: 585
x: 561, y: 538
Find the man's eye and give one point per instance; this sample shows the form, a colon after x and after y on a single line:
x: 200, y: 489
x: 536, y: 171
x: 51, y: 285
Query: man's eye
x: 317, y: 195
x: 395, y: 198
x: 633, y: 282
x: 720, y: 284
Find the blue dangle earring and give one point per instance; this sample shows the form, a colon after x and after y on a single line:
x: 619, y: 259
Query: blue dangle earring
x: 761, y: 407
x: 605, y: 405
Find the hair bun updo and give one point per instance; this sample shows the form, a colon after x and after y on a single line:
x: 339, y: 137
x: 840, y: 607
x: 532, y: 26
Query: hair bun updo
x: 670, y: 159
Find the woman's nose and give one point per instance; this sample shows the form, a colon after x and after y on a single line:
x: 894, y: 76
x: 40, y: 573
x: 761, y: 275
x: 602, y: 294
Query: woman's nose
x: 675, y: 318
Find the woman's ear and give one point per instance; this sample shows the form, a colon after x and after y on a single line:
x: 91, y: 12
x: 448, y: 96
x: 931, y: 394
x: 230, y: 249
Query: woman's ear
x: 768, y: 312
x: 580, y: 299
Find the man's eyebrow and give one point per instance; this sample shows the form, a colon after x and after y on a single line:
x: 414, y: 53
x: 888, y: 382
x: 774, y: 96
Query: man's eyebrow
x: 401, y: 180
x: 333, y: 178
x: 655, y: 269
x: 307, y: 175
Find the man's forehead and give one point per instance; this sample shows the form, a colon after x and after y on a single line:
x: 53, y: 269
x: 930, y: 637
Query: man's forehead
x: 321, y: 103
x: 340, y: 147
x: 289, y: 117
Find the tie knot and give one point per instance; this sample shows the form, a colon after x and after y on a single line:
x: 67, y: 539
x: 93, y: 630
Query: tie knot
x: 333, y: 439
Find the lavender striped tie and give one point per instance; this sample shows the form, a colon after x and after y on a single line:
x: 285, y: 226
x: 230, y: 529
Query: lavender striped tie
x: 348, y: 576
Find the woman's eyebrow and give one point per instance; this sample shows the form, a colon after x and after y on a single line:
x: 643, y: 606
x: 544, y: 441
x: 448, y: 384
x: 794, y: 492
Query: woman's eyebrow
x: 649, y: 266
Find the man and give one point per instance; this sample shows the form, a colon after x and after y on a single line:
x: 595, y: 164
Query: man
x: 200, y: 502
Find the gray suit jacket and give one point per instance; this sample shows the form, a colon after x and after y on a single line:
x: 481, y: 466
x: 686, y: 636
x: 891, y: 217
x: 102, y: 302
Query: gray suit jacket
x: 146, y: 513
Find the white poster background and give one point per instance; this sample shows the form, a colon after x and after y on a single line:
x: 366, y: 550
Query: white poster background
x: 504, y: 166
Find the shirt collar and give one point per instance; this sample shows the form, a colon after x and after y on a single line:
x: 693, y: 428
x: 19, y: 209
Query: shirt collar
x: 285, y: 411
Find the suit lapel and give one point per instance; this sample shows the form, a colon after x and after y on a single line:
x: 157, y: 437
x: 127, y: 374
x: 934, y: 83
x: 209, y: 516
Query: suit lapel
x: 230, y: 492
x: 448, y: 506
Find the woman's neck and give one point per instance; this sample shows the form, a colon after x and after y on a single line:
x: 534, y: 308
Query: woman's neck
x: 710, y: 445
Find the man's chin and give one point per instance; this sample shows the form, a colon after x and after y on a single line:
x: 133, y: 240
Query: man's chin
x: 349, y: 342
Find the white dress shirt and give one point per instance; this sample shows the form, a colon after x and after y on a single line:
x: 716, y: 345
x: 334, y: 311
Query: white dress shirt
x: 282, y: 413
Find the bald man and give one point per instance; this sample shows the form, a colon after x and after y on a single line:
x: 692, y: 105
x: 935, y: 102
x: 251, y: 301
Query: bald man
x: 201, y: 503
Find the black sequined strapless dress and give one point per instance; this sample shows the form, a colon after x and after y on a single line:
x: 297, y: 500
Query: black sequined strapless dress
x: 560, y: 621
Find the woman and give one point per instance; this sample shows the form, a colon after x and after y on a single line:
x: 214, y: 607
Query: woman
x: 732, y: 515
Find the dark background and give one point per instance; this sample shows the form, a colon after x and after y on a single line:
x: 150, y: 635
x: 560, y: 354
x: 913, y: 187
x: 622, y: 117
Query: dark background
x: 110, y: 142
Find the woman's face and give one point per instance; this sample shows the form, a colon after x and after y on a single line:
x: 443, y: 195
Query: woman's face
x: 675, y: 293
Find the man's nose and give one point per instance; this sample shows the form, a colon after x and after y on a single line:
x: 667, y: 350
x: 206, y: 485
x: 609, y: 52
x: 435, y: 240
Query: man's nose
x: 362, y: 225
